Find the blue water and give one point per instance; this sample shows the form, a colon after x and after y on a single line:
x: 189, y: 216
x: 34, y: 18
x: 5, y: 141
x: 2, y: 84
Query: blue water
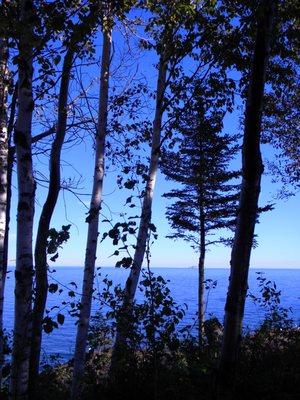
x: 183, y: 286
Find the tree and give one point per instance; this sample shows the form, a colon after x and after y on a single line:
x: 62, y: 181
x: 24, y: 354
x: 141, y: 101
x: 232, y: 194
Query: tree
x: 252, y: 169
x: 171, y: 49
x: 206, y: 200
x: 4, y: 141
x: 95, y: 207
x: 281, y: 114
x: 74, y: 43
x: 26, y: 196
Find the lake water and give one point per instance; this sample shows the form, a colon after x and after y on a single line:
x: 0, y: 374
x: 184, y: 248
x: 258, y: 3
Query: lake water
x: 183, y: 286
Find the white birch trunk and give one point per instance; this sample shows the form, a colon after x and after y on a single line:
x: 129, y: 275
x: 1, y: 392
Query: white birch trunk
x: 4, y: 76
x: 93, y: 220
x: 133, y: 279
x: 25, y: 214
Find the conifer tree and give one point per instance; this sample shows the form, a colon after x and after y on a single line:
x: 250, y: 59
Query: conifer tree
x: 205, y: 203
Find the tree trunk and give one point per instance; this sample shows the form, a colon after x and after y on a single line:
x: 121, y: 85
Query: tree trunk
x: 25, y: 214
x: 40, y: 254
x: 132, y: 280
x: 252, y: 169
x: 201, y: 277
x: 10, y: 164
x: 4, y: 78
x: 93, y: 219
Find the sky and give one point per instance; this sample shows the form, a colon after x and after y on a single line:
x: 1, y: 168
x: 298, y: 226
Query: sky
x: 278, y: 230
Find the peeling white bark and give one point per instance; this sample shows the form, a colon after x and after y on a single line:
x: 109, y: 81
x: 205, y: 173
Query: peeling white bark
x: 93, y: 220
x: 133, y: 279
x: 4, y: 76
x: 25, y: 214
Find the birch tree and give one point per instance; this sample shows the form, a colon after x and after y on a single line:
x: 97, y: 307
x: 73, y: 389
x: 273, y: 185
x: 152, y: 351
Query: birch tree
x: 93, y: 215
x: 252, y: 169
x: 211, y: 24
x: 4, y: 81
x: 25, y: 214
x: 166, y: 48
x: 78, y: 36
x: 135, y: 270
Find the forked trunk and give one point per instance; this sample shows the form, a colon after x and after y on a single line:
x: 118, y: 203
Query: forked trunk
x: 40, y: 255
x: 250, y: 189
x: 93, y: 220
x: 4, y: 78
x: 132, y: 280
x: 25, y: 213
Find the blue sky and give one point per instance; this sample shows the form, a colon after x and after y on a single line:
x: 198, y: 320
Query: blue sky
x: 278, y: 230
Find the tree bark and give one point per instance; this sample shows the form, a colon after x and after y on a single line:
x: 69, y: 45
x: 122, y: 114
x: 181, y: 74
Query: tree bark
x: 25, y: 213
x: 40, y: 254
x: 93, y: 219
x: 201, y: 278
x: 10, y: 163
x: 252, y: 169
x: 4, y: 79
x: 132, y: 280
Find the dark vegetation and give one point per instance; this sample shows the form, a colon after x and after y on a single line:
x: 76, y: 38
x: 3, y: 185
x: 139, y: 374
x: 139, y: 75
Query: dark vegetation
x: 163, y: 359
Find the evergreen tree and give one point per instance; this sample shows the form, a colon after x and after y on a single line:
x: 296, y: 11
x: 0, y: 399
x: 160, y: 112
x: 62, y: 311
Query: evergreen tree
x: 206, y: 201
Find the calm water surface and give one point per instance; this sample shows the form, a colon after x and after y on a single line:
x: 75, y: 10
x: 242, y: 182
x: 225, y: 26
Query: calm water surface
x: 183, y: 285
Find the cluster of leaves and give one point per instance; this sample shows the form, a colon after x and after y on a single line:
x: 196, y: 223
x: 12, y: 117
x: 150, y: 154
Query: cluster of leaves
x: 55, y: 316
x: 155, y: 320
x: 56, y: 239
x: 121, y: 232
x: 276, y: 316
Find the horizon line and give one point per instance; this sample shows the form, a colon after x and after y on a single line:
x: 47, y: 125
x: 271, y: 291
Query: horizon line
x: 168, y: 267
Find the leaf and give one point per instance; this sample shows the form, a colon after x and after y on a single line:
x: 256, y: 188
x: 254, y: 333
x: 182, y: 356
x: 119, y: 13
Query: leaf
x: 57, y: 59
x: 53, y: 287
x: 130, y: 184
x: 125, y: 262
x: 54, y: 258
x: 60, y: 319
x: 48, y: 328
x: 152, y: 227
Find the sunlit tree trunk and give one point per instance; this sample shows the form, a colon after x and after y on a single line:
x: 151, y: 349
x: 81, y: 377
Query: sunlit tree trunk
x: 252, y: 169
x: 4, y: 78
x: 25, y: 213
x: 93, y: 218
x: 132, y: 280
x: 40, y: 255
